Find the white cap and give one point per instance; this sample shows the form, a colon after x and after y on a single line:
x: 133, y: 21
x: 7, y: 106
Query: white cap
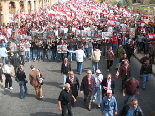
x: 109, y: 91
x: 98, y: 71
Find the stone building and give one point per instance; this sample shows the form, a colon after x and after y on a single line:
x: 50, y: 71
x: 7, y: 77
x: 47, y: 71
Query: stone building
x: 9, y: 8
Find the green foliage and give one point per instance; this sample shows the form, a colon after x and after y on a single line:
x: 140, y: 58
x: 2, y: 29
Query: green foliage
x: 152, y: 1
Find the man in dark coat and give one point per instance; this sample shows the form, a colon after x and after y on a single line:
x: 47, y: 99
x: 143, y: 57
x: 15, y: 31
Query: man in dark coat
x: 15, y: 61
x: 88, y: 88
x: 74, y: 83
x: 134, y: 109
x: 125, y: 72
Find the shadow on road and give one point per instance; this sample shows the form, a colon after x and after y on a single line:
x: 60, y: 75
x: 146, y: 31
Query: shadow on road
x: 44, y: 114
x: 55, y: 84
x: 49, y: 100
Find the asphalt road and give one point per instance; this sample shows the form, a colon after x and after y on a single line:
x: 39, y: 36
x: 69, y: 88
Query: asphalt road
x: 12, y: 105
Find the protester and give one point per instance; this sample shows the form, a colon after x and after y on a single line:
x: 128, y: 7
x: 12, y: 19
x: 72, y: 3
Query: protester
x: 8, y: 74
x: 109, y: 57
x: 130, y: 89
x: 74, y: 84
x: 65, y: 68
x: 64, y: 100
x: 131, y: 110
x: 98, y: 79
x: 109, y: 105
x: 95, y: 59
x: 88, y: 88
x: 21, y: 76
x: 33, y: 77
x: 145, y: 72
x: 125, y: 72
x: 80, y: 55
x: 15, y: 61
x: 107, y: 84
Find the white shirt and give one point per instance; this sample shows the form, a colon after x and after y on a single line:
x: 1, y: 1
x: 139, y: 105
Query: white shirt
x: 27, y: 46
x: 6, y: 69
x: 98, y: 79
x: 80, y: 55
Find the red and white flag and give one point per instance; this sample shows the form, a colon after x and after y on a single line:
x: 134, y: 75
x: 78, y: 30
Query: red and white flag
x: 151, y: 36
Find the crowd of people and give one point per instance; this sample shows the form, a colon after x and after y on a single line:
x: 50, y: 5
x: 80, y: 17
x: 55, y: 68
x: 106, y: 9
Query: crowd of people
x: 20, y: 45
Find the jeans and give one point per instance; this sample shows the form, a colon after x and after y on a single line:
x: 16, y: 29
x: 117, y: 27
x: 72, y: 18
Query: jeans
x: 90, y: 50
x: 108, y: 113
x: 86, y: 51
x: 145, y: 79
x: 58, y: 56
x: 27, y: 55
x: 104, y: 49
x: 53, y: 54
x: 21, y: 84
x: 71, y: 54
x: 79, y: 67
x: 34, y: 54
x: 94, y: 66
x: 49, y: 54
x: 128, y: 98
x: 40, y: 54
x: 8, y: 80
x: 22, y: 59
x: 4, y: 59
x: 115, y: 46
x: 64, y: 77
x: 97, y: 94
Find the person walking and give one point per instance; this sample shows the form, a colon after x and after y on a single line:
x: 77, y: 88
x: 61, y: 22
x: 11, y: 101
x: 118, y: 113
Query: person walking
x: 74, y: 83
x: 65, y: 68
x: 109, y: 57
x: 15, y: 61
x: 88, y: 88
x: 64, y: 100
x: 98, y: 79
x: 125, y: 72
x: 80, y: 55
x: 95, y: 59
x: 20, y: 74
x: 33, y: 77
x: 119, y: 54
x: 8, y: 74
x: 130, y: 89
x: 145, y: 72
x: 107, y: 84
x: 132, y: 109
x: 109, y: 105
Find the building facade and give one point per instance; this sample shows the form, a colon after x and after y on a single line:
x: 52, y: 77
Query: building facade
x: 9, y: 8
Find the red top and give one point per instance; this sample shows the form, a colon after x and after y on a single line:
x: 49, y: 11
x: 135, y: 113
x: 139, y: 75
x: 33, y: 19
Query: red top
x: 114, y: 40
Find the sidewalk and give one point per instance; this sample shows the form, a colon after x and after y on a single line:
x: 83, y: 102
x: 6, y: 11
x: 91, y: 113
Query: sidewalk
x: 139, y: 56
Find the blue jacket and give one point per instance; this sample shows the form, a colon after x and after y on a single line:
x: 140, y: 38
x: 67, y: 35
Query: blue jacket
x: 109, y: 105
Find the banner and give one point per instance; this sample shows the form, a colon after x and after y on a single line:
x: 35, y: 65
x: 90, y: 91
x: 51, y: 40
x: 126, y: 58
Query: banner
x: 132, y: 32
x: 106, y: 35
x: 62, y: 48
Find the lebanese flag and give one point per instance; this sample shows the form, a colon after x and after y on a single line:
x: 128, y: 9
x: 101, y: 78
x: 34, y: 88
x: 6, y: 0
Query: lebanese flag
x: 151, y: 36
x: 117, y: 73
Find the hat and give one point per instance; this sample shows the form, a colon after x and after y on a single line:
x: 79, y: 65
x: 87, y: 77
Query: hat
x: 109, y: 91
x: 98, y: 71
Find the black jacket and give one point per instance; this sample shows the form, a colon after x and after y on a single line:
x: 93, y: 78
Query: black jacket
x: 104, y: 83
x: 21, y: 75
x: 146, y: 69
x: 124, y: 111
x: 65, y: 69
x: 143, y: 59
